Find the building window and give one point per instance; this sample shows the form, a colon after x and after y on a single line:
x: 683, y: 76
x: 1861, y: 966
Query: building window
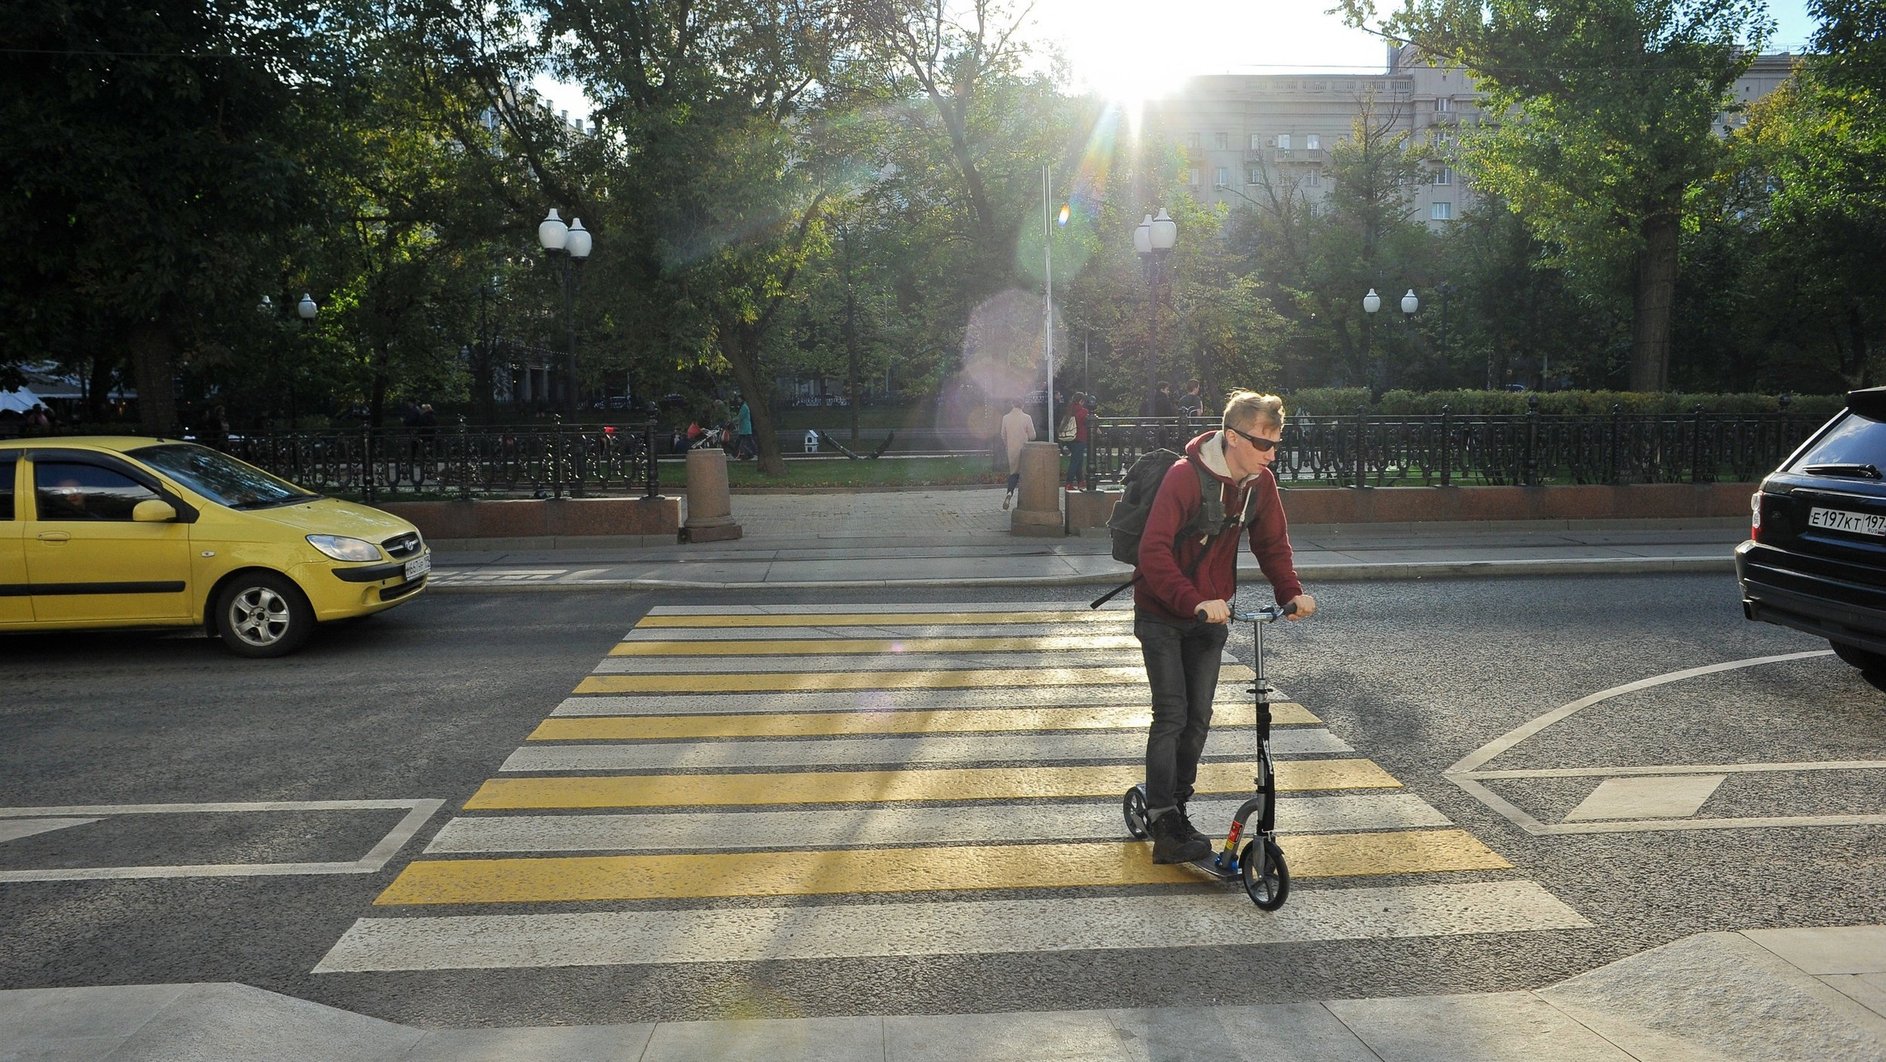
x: 1446, y: 176
x: 1314, y: 178
x: 1224, y: 176
x: 1444, y: 104
x: 1254, y: 175
x: 1191, y: 178
x: 1440, y: 212
x: 1191, y: 141
x: 1219, y: 140
x: 1257, y: 141
x: 1283, y: 141
x: 1312, y: 141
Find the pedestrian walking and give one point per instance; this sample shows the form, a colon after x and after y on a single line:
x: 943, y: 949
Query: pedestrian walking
x: 744, y: 447
x: 1080, y: 413
x: 1017, y: 428
x: 1182, y: 598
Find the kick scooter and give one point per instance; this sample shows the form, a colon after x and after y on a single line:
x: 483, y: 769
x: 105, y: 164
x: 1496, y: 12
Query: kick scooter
x: 1260, y: 865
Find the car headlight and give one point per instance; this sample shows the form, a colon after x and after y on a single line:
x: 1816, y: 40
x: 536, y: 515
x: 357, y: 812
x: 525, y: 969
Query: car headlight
x: 345, y: 549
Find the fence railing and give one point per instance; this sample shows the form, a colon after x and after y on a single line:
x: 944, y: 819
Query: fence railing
x: 546, y: 461
x: 1527, y: 449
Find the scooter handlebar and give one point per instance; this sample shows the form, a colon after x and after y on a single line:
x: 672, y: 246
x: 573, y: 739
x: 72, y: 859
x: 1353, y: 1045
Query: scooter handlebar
x: 1268, y: 614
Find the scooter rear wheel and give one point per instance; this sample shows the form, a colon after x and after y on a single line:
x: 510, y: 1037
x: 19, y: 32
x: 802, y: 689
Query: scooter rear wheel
x: 1266, y: 875
x: 1133, y: 807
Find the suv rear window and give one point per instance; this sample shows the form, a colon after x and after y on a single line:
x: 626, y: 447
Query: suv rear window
x: 1853, y: 440
x: 7, y: 466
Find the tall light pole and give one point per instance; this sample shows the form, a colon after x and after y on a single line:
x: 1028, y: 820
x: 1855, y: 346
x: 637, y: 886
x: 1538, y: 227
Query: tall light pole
x: 568, y: 246
x: 1153, y: 240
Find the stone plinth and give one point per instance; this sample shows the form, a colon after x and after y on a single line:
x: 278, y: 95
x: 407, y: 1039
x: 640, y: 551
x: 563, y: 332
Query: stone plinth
x: 1089, y: 508
x: 710, y: 505
x: 1038, y: 502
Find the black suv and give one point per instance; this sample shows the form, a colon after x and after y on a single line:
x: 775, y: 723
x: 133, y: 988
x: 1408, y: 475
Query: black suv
x: 1816, y: 555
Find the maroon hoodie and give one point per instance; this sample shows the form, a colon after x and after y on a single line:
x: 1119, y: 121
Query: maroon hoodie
x: 1163, y: 589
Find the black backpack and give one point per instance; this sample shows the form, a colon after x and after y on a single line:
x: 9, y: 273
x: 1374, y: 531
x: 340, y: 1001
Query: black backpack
x: 1141, y: 486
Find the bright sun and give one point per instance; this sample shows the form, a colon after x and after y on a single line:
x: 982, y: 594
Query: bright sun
x: 1121, y: 55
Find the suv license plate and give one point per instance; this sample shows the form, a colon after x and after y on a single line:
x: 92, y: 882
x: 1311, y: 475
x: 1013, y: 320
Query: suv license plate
x: 419, y: 566
x: 1853, y: 523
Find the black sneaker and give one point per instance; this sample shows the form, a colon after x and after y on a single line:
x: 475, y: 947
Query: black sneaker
x: 1186, y: 823
x: 1174, y: 843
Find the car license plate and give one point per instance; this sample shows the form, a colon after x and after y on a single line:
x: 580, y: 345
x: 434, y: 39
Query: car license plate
x: 1853, y: 523
x: 418, y: 566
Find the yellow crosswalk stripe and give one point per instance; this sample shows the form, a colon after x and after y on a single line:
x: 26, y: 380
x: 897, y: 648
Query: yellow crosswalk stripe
x: 935, y: 721
x: 834, y: 646
x: 790, y: 681
x: 885, y: 619
x: 857, y: 787
x: 562, y: 879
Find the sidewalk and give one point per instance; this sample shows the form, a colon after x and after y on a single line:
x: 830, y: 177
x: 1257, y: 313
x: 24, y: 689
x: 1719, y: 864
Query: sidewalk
x: 960, y: 538
x: 1749, y: 997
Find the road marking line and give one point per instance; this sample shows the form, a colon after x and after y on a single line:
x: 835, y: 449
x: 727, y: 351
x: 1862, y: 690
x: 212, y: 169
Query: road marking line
x: 1004, y: 698
x: 418, y: 812
x: 875, y: 646
x: 895, y: 751
x: 1036, y: 924
x: 813, y: 631
x: 861, y: 616
x: 1647, y: 798
x: 834, y: 724
x: 1469, y: 776
x: 1117, y: 609
x: 930, y: 784
x: 682, y: 831
x: 569, y: 879
x: 1009, y: 663
x: 784, y: 682
x: 15, y: 829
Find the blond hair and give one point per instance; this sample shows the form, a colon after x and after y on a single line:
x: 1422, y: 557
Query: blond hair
x: 1245, y: 408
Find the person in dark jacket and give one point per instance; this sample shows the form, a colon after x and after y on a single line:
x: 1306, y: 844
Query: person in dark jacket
x: 1182, y: 620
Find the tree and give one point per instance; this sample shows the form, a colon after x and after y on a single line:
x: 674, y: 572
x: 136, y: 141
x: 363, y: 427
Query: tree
x: 1613, y: 104
x: 152, y: 157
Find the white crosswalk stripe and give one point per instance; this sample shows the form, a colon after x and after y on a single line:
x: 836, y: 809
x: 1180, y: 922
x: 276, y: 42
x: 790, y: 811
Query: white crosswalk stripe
x: 1230, y: 692
x: 861, y: 752
x: 757, y: 934
x: 698, y: 831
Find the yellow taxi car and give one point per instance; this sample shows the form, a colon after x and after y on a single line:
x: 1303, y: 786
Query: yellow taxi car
x: 100, y: 532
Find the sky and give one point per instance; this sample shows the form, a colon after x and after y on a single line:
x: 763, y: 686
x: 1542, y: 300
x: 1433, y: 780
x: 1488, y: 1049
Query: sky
x: 1116, y: 50
x: 1119, y: 51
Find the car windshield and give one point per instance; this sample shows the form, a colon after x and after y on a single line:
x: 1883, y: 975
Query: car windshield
x: 1856, y: 442
x: 221, y: 478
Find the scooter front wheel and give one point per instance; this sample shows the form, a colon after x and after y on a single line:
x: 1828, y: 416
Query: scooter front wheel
x: 1266, y: 875
x: 1133, y: 807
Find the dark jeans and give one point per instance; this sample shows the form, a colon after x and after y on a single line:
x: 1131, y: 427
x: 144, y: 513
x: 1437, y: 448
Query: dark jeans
x: 1076, y: 461
x: 1182, y: 663
x: 1014, y: 480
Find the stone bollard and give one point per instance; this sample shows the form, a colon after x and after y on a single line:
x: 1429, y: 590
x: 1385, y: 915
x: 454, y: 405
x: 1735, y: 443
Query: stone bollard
x: 710, y: 507
x: 1038, y: 509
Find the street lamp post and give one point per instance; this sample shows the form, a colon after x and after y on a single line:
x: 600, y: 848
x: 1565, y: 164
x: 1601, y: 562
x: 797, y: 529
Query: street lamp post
x: 306, y: 309
x: 1153, y: 240
x: 1370, y: 304
x: 568, y: 246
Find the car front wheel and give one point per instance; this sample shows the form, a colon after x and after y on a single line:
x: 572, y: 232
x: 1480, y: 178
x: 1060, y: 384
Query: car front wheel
x: 263, y: 614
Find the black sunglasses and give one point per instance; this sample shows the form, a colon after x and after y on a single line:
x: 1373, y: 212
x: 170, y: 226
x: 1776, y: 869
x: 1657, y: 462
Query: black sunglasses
x: 1263, y: 445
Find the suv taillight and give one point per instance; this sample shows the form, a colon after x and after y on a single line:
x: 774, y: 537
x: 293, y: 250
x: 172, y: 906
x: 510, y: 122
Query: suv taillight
x: 1755, y: 516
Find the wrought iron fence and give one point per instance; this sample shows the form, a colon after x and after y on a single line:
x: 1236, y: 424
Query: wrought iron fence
x: 1527, y: 449
x: 538, y: 460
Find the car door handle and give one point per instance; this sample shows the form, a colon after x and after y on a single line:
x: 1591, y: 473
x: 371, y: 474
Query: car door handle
x: 55, y: 536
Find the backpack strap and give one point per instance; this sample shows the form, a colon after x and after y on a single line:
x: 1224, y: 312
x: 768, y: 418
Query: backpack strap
x: 1211, y: 498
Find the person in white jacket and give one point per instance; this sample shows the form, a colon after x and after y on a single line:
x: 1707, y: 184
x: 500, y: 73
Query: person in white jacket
x: 1017, y: 428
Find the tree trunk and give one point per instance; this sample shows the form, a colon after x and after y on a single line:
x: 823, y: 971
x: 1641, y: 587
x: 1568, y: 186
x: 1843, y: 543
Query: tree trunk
x: 152, y: 356
x: 745, y: 362
x: 1651, y: 307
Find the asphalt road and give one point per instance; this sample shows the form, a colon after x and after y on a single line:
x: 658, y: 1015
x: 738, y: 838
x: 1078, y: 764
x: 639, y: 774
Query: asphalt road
x: 426, y: 703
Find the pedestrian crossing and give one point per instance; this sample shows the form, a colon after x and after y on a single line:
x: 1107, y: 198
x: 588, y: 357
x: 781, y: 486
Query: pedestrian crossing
x: 885, y: 780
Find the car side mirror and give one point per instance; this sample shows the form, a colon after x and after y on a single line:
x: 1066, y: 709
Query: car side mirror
x: 153, y: 511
